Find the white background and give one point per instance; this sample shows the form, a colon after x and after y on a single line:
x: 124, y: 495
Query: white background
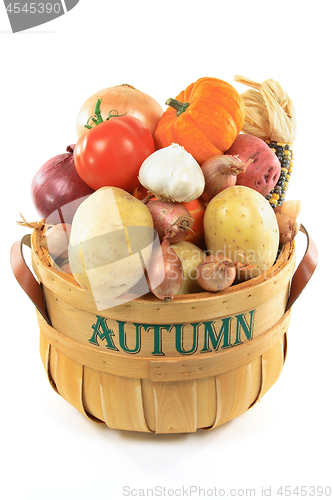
x: 49, y: 449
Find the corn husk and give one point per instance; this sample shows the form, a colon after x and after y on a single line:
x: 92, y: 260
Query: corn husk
x: 270, y: 113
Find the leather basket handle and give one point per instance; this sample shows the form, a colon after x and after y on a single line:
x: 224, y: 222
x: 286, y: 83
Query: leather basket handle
x: 25, y: 277
x: 304, y: 270
x: 34, y: 290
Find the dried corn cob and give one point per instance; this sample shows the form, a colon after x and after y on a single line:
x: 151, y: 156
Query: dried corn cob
x: 285, y: 155
x: 271, y: 116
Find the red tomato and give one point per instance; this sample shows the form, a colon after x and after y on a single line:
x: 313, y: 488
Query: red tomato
x: 112, y: 152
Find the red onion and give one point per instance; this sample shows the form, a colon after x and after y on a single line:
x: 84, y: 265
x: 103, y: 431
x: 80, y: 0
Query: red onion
x: 57, y: 190
x: 171, y: 220
x: 220, y: 172
x: 165, y: 272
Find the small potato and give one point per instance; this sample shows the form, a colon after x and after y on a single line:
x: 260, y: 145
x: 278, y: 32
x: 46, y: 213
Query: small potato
x: 190, y: 256
x: 263, y: 172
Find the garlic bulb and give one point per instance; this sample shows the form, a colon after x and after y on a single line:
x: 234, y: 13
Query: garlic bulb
x: 172, y: 174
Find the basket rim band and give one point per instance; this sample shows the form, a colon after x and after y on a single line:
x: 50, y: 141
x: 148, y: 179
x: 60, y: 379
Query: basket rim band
x: 166, y: 369
x: 182, y: 307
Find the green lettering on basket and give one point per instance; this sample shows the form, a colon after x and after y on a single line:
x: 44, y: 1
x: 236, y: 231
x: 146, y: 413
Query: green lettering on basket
x: 180, y: 338
x: 157, y: 337
x: 213, y: 338
x: 102, y: 331
x: 242, y: 323
x: 122, y: 338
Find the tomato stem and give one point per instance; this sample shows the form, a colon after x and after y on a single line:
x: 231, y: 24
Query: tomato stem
x: 97, y: 117
x: 180, y: 107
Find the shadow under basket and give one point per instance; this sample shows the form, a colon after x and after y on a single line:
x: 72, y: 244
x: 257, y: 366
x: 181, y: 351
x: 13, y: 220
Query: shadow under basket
x: 194, y: 363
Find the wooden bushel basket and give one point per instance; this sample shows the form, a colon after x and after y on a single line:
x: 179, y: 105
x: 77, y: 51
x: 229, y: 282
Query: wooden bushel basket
x: 147, y: 366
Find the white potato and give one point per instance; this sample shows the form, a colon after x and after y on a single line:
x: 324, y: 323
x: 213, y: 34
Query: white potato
x: 110, y: 243
x: 190, y: 256
x: 239, y: 222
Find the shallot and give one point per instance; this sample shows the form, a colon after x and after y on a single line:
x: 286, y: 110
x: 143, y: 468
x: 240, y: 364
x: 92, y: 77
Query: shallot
x: 216, y: 273
x: 171, y: 220
x: 165, y: 273
x: 286, y: 216
x: 56, y: 240
x: 221, y: 172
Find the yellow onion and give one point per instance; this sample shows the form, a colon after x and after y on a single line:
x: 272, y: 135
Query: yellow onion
x: 165, y: 273
x: 123, y: 99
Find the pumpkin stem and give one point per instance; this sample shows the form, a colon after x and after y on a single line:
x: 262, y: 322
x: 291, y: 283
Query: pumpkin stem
x: 180, y: 107
x: 97, y: 117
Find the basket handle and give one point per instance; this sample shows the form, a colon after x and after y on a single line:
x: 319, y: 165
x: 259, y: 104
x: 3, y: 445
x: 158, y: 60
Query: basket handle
x: 304, y: 270
x: 25, y: 277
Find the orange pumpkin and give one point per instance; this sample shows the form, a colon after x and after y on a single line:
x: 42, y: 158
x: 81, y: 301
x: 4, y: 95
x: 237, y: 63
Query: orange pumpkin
x: 205, y: 119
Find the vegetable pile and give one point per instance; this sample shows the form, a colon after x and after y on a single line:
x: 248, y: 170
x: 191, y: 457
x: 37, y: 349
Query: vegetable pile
x: 187, y: 200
